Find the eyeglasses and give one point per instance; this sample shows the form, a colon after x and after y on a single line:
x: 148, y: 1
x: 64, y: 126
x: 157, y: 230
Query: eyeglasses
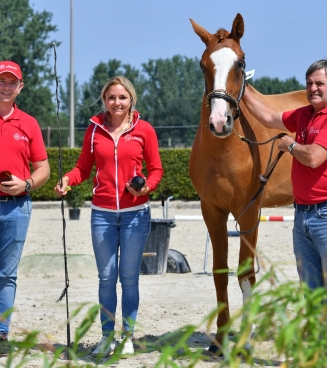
x: 5, y: 176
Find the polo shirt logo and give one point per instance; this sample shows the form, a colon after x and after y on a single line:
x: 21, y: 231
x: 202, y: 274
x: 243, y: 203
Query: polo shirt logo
x: 313, y: 131
x: 17, y: 137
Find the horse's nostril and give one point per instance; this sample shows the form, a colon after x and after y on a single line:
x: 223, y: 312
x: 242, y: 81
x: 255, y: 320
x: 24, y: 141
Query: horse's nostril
x: 229, y: 121
x: 226, y: 129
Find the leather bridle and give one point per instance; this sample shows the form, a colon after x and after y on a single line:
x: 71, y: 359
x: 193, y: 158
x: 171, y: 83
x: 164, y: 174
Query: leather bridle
x: 221, y: 93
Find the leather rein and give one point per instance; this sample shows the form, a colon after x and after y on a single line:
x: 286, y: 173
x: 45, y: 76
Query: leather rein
x: 220, y: 93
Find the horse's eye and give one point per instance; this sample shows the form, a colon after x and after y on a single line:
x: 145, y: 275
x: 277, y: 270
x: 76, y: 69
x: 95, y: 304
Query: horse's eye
x: 241, y: 65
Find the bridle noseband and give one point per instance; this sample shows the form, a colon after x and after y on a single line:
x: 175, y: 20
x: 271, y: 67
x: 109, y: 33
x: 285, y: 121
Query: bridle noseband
x: 221, y: 93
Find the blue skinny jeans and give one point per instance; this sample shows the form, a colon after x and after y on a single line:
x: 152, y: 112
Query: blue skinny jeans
x: 125, y: 233
x: 310, y: 245
x: 14, y: 221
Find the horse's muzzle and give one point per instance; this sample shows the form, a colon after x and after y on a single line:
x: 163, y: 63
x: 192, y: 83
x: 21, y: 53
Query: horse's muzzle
x: 226, y: 129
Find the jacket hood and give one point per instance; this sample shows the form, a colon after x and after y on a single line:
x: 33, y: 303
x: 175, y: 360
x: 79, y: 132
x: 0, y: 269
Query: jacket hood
x: 99, y: 121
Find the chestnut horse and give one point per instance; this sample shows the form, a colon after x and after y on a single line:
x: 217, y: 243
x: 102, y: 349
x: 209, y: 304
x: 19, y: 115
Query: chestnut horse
x: 225, y: 170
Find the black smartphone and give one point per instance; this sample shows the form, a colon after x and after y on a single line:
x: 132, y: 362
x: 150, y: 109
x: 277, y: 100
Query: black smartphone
x: 5, y: 176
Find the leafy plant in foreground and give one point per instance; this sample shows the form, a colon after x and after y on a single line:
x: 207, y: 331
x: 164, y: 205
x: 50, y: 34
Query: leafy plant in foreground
x: 289, y: 315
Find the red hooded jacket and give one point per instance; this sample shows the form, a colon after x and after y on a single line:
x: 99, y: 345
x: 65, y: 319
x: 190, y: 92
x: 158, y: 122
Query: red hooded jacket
x: 118, y: 162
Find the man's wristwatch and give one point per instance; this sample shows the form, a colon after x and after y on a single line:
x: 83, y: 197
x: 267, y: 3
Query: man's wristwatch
x: 290, y: 147
x: 28, y: 187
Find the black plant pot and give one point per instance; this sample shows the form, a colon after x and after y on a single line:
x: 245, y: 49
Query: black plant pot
x: 74, y: 213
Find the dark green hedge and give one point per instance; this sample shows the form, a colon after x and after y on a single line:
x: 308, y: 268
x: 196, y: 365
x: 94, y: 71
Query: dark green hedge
x: 175, y: 182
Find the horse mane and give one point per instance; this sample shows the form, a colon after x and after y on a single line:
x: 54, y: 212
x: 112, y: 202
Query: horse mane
x: 221, y: 34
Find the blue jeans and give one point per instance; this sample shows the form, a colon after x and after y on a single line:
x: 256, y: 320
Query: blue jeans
x: 128, y: 233
x: 14, y: 220
x: 310, y: 246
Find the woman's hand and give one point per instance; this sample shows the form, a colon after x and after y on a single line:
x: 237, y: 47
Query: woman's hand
x: 138, y: 193
x: 62, y: 191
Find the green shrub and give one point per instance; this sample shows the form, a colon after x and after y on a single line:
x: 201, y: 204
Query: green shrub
x: 75, y: 197
x: 175, y: 182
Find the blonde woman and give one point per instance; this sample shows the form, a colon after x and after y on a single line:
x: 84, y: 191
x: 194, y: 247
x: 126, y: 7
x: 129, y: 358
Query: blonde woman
x: 117, y: 142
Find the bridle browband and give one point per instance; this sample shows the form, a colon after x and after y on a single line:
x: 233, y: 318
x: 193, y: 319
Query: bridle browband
x: 221, y: 93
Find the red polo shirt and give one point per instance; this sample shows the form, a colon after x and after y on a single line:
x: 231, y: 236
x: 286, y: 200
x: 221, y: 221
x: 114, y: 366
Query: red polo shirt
x: 21, y: 142
x: 309, y: 185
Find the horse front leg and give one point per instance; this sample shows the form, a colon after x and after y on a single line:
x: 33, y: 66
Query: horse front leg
x: 247, y: 256
x: 216, y: 222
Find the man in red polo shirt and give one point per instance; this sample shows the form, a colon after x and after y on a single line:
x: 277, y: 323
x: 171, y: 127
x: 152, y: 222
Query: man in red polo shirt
x: 21, y: 143
x: 309, y: 170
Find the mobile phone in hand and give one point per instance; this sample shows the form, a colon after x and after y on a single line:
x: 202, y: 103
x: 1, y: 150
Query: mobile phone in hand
x: 5, y: 176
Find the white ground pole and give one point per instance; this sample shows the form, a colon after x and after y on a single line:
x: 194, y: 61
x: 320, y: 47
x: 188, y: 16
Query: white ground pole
x: 230, y: 233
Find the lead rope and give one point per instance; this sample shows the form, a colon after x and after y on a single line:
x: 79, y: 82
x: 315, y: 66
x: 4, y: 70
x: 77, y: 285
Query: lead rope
x: 263, y: 177
x: 65, y: 291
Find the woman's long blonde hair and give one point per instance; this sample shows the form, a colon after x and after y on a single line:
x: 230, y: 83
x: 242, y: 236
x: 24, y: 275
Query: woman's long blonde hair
x: 129, y: 88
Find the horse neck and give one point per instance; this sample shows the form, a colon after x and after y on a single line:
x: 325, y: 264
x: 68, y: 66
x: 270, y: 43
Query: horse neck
x: 248, y: 125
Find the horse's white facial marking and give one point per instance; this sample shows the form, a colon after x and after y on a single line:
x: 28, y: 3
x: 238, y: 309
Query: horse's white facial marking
x: 223, y: 61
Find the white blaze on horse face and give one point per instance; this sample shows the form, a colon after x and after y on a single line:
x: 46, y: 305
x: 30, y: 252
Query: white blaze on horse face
x: 223, y: 61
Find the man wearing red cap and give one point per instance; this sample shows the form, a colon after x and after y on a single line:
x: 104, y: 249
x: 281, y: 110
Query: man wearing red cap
x: 21, y: 143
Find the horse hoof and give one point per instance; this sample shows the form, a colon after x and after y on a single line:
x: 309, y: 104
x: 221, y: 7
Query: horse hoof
x: 213, y: 351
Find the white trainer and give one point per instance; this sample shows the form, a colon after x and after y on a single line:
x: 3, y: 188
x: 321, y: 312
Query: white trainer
x: 128, y: 347
x: 105, y: 347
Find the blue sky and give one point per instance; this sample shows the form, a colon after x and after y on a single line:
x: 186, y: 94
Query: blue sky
x: 282, y: 37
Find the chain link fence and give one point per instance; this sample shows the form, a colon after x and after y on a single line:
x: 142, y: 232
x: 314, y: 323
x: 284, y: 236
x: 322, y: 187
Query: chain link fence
x: 178, y: 136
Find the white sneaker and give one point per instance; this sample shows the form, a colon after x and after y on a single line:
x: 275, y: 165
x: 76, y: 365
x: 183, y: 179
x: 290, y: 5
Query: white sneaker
x: 105, y: 347
x: 128, y: 347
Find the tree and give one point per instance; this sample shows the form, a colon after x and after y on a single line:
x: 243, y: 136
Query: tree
x: 173, y: 97
x: 169, y: 94
x: 91, y: 103
x: 25, y: 40
x: 269, y: 86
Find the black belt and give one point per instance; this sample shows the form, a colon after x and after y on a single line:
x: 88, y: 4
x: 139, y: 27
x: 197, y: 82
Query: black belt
x: 308, y: 207
x: 10, y: 198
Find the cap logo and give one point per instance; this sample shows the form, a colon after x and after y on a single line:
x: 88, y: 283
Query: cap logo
x: 12, y: 67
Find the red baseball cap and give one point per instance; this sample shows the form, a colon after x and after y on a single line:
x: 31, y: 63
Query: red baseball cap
x: 11, y: 67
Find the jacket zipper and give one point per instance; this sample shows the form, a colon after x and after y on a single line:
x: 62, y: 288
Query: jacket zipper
x: 116, y: 166
x: 116, y: 163
x: 116, y: 159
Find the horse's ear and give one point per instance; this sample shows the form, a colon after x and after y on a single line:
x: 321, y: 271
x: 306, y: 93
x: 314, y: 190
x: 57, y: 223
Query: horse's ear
x: 201, y: 32
x: 238, y: 28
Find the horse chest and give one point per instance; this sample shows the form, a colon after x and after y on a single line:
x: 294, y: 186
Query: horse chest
x: 219, y: 165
